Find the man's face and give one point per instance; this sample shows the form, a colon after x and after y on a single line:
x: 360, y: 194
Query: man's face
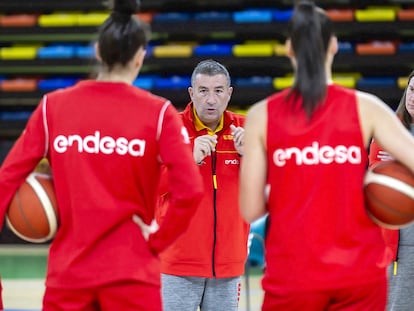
x: 210, y: 96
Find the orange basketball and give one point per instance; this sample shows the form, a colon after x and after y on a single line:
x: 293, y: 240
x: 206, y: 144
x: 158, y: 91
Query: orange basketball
x: 32, y: 214
x: 389, y: 194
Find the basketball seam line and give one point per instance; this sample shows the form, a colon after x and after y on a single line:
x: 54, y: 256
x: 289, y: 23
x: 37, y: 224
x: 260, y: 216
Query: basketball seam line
x: 44, y: 199
x: 386, y: 181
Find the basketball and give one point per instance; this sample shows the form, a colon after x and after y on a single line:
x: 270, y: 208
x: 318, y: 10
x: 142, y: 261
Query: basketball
x: 32, y: 214
x: 389, y: 194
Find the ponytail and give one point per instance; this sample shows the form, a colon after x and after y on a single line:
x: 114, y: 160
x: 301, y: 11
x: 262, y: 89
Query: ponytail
x: 309, y: 31
x: 122, y: 34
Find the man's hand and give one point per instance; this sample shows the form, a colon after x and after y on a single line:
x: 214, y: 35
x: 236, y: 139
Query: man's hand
x: 145, y: 229
x: 204, y: 146
x: 238, y: 138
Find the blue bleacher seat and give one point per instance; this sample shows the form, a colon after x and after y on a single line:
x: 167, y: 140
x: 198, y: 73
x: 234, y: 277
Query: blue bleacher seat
x: 406, y: 47
x: 212, y: 16
x: 171, y: 17
x: 174, y: 82
x: 58, y: 51
x: 57, y: 83
x: 213, y: 50
x: 144, y: 82
x: 253, y: 16
x: 282, y: 15
x: 255, y: 81
x: 376, y: 82
x: 85, y: 52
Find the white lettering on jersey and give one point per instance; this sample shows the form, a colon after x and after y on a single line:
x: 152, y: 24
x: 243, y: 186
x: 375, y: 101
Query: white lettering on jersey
x: 97, y: 144
x: 315, y: 154
x: 232, y: 162
x: 185, y: 135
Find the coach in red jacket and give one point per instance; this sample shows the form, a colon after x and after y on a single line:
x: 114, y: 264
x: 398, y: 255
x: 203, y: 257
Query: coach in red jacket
x: 203, y: 267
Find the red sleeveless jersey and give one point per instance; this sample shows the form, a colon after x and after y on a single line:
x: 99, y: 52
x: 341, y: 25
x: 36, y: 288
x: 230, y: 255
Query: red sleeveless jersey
x: 320, y: 236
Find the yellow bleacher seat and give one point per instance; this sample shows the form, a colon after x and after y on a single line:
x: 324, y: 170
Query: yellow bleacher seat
x: 280, y: 50
x: 282, y: 82
x: 376, y: 14
x: 346, y: 81
x: 173, y: 51
x: 18, y: 52
x: 402, y: 82
x: 92, y: 19
x: 249, y: 50
x: 58, y: 20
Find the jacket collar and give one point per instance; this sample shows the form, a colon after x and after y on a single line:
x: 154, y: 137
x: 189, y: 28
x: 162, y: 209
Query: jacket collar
x: 191, y: 114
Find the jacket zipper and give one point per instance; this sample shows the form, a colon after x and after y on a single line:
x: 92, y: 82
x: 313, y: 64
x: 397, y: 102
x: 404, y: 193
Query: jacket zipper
x: 213, y: 165
x: 395, y: 266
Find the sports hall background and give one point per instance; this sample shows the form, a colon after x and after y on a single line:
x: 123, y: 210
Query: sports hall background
x: 46, y: 44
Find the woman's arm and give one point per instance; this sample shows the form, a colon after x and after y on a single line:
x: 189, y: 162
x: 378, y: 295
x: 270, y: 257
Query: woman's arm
x: 253, y: 173
x: 381, y: 123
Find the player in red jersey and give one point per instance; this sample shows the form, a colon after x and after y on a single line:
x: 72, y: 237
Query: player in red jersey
x: 306, y: 147
x: 105, y: 141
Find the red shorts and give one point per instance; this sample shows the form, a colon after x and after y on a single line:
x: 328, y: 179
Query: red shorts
x: 358, y: 298
x: 125, y: 296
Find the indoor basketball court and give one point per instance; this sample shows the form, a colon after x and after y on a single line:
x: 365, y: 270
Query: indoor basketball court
x: 23, y: 269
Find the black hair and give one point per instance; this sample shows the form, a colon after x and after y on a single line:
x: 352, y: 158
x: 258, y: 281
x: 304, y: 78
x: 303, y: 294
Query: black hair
x: 122, y: 34
x: 309, y: 31
x: 402, y: 111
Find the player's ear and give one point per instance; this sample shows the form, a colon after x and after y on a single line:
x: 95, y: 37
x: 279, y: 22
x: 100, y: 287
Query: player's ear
x: 97, y: 52
x: 139, y: 57
x: 230, y: 90
x: 289, y: 50
x: 333, y: 45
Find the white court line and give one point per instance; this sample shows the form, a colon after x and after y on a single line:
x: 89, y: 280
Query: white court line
x: 22, y: 294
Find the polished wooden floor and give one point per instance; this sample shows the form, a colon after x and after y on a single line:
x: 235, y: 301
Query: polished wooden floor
x: 23, y: 268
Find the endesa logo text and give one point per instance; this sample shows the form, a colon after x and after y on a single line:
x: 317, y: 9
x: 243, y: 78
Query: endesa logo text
x: 100, y: 144
x: 315, y: 154
x: 232, y: 162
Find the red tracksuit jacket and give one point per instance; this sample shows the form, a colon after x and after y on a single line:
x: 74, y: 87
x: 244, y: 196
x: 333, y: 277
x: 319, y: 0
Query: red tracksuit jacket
x: 105, y: 142
x: 215, y: 243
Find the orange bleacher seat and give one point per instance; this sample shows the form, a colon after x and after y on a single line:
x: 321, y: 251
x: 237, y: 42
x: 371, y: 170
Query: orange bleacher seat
x: 343, y: 15
x: 146, y: 17
x: 376, y: 48
x: 18, y: 85
x: 406, y: 15
x: 18, y: 20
